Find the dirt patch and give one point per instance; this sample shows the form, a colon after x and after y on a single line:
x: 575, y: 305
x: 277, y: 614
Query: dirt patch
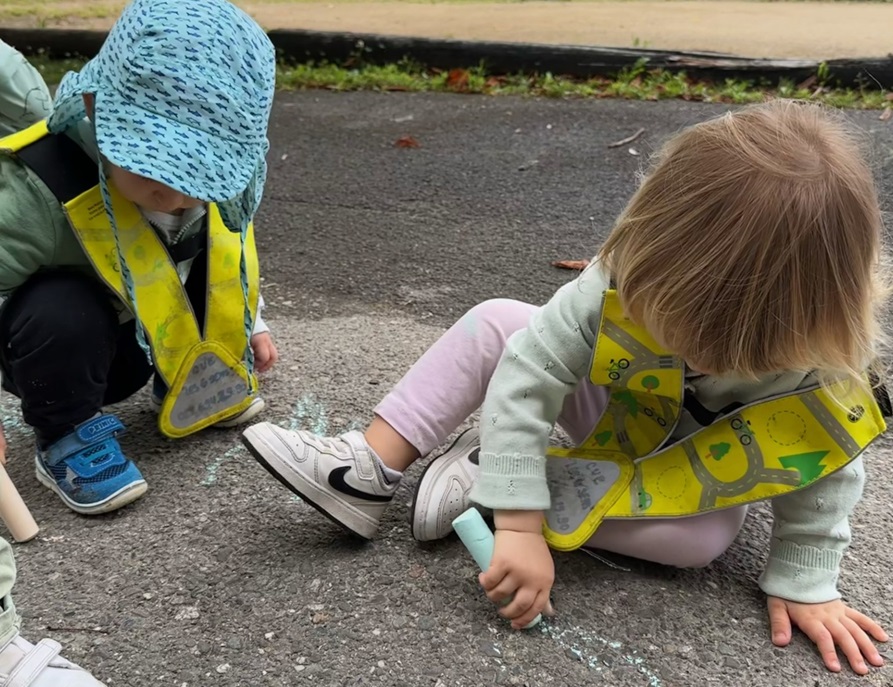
x: 754, y: 29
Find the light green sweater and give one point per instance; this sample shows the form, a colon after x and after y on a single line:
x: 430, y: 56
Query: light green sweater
x: 546, y: 361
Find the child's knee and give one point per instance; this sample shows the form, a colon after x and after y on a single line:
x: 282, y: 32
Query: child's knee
x: 706, y: 538
x: 500, y: 316
x: 68, y: 309
x: 697, y: 554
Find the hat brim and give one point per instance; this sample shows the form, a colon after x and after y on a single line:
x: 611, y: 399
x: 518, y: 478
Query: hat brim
x: 177, y: 154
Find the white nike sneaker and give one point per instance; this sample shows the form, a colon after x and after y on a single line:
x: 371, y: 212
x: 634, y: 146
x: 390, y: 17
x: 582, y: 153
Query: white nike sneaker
x: 340, y: 477
x: 23, y: 664
x: 442, y: 492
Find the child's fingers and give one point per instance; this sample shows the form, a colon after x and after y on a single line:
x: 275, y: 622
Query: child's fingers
x: 538, y: 606
x: 262, y: 358
x: 867, y: 624
x: 780, y: 622
x: 848, y: 645
x: 520, y: 604
x: 504, y: 591
x: 824, y: 641
x: 492, y: 576
x: 866, y: 646
x: 549, y: 610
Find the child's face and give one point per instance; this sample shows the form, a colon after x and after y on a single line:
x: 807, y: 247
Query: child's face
x: 148, y: 194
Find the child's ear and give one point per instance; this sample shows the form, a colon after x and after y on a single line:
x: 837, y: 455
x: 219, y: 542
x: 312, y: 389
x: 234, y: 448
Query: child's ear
x: 89, y: 99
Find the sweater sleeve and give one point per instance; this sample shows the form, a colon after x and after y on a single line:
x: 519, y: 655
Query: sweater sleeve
x: 30, y: 226
x: 810, y: 534
x: 260, y: 326
x: 24, y: 96
x: 540, y: 366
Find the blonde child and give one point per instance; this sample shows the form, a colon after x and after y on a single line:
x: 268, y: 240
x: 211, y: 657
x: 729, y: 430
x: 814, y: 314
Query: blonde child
x: 751, y: 252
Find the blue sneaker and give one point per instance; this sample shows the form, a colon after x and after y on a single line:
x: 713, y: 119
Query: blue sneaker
x: 88, y: 470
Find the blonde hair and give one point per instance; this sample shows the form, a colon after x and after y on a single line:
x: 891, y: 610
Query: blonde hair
x: 753, y: 246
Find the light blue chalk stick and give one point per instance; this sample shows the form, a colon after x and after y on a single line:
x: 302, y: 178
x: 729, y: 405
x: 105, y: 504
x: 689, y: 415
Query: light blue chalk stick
x: 479, y: 541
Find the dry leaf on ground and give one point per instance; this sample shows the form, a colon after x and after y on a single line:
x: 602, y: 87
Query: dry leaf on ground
x: 407, y: 142
x: 457, y: 79
x: 571, y: 264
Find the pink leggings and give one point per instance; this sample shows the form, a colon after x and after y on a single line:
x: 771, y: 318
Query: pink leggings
x: 447, y: 384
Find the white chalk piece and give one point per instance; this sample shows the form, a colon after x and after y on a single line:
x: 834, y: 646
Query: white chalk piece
x: 14, y: 512
x: 479, y: 541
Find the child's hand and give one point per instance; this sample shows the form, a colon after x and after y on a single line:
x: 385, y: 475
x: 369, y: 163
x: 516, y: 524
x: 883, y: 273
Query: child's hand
x: 829, y: 624
x: 522, y: 568
x: 265, y: 353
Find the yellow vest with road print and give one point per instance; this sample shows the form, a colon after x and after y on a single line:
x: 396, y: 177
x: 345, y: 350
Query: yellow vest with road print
x: 207, y: 376
x: 626, y: 470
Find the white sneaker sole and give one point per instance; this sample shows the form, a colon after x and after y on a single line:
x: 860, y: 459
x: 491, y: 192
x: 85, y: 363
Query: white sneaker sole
x: 119, y: 499
x: 258, y: 405
x: 423, y: 499
x: 256, y: 408
x: 262, y: 442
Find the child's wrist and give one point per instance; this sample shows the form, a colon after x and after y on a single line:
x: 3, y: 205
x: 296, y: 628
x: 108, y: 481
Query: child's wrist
x: 519, y: 520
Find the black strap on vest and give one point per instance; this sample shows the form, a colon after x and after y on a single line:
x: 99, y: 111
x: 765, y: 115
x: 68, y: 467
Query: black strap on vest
x: 62, y: 165
x: 68, y: 171
x: 881, y: 395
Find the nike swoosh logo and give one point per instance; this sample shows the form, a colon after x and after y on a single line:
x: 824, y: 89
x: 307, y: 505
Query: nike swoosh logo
x: 336, y: 481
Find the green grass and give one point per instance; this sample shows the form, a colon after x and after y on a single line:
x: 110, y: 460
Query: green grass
x: 54, y: 70
x: 633, y: 84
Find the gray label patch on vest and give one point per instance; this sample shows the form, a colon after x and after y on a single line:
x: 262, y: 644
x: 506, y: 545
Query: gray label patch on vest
x: 210, y: 388
x: 576, y: 486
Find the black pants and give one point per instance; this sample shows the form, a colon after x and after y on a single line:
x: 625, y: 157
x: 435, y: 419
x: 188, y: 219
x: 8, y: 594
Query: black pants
x: 65, y: 355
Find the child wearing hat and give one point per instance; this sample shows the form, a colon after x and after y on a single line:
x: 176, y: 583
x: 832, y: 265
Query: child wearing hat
x: 127, y: 249
x: 24, y: 99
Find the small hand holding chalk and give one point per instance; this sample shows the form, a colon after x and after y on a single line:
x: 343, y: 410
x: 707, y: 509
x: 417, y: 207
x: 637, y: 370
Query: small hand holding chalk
x: 481, y: 544
x: 522, y: 570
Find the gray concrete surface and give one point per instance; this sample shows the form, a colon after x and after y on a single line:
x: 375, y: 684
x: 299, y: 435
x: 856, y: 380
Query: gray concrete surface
x: 219, y: 577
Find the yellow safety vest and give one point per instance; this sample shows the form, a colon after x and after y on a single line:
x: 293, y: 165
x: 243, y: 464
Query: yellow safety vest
x: 625, y: 470
x: 207, y: 377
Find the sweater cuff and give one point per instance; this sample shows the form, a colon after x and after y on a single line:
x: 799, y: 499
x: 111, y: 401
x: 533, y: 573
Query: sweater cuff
x: 512, y: 482
x: 803, y: 574
x: 260, y: 327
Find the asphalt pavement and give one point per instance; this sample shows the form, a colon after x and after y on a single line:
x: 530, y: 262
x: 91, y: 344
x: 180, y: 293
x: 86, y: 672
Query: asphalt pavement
x: 369, y: 250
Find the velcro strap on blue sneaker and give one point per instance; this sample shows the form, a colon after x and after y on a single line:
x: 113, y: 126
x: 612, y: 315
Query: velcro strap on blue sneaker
x: 90, y: 433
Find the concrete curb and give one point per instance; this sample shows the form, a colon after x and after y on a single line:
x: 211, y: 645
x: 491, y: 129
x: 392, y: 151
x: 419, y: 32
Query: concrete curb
x: 499, y: 58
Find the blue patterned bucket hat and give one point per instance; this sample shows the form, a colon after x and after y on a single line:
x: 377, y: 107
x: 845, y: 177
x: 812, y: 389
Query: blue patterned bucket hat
x: 182, y: 95
x: 183, y: 91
